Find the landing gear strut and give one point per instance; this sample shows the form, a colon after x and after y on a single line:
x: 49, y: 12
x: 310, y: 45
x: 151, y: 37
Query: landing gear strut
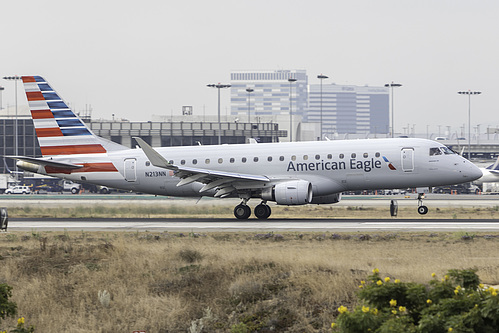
x: 422, y: 209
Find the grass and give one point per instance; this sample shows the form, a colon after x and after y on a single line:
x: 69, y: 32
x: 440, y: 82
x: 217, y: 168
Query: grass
x: 127, y: 210
x: 170, y: 282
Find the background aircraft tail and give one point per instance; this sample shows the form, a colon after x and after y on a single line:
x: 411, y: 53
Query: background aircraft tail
x: 58, y: 129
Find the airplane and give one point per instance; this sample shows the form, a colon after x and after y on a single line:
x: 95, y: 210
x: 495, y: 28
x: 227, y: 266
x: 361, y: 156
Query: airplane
x: 292, y: 173
x: 490, y: 174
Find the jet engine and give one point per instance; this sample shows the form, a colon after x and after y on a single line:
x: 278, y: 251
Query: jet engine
x: 31, y: 167
x: 327, y: 199
x: 296, y: 192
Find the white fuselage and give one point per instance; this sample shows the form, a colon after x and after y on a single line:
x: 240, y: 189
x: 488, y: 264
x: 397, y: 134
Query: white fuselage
x: 330, y: 166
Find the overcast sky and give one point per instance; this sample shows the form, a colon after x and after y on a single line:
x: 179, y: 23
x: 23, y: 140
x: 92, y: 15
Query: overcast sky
x: 139, y: 58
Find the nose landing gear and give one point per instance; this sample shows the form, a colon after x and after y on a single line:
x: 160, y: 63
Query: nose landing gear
x: 422, y: 209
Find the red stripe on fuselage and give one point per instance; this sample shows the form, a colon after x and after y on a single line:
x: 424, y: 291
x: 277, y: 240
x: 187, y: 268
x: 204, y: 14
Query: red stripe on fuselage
x: 35, y: 96
x: 87, y: 167
x: 48, y: 132
x: 72, y: 149
x: 41, y: 114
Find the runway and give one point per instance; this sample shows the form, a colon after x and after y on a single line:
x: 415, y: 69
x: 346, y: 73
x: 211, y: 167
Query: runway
x: 232, y: 225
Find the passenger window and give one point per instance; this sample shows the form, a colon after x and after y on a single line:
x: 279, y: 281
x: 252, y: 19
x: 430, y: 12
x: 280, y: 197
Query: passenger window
x: 305, y: 157
x: 255, y: 159
x: 377, y: 155
x: 435, y: 151
x: 220, y: 160
x: 366, y: 155
x: 353, y: 155
x: 317, y: 157
x: 170, y: 161
x: 269, y: 158
x: 194, y: 161
x: 207, y: 161
x: 281, y: 158
x: 148, y: 163
x: 293, y: 158
x: 182, y: 162
x: 329, y: 156
x: 342, y: 156
x: 232, y: 160
x: 243, y: 159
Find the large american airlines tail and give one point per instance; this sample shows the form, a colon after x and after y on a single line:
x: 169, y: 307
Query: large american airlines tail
x: 59, y: 130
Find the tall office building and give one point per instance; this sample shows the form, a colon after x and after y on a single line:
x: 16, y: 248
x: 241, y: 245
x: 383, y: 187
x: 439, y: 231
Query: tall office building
x: 270, y: 95
x: 349, y: 109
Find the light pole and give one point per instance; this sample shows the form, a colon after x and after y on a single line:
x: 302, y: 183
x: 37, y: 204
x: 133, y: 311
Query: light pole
x: 393, y: 85
x: 14, y: 78
x: 249, y: 90
x: 291, y: 80
x: 219, y: 86
x: 469, y: 93
x: 321, y: 77
x: 1, y: 92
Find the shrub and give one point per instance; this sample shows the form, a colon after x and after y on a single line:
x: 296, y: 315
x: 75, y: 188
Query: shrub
x: 455, y: 303
x: 7, y: 308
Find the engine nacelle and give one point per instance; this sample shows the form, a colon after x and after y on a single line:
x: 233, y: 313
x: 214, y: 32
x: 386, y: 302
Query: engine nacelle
x: 327, y: 199
x: 296, y: 192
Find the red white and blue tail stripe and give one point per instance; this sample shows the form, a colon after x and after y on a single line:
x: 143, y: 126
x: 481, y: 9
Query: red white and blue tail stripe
x: 59, y: 130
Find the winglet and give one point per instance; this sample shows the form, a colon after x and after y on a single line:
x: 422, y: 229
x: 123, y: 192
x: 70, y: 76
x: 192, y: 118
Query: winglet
x: 154, y: 157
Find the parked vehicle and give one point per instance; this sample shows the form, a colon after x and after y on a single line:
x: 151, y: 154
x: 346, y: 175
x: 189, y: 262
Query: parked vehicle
x: 69, y: 186
x: 18, y: 190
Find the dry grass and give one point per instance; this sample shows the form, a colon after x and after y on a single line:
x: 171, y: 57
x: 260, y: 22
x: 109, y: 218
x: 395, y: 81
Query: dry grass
x: 127, y: 210
x: 163, y: 282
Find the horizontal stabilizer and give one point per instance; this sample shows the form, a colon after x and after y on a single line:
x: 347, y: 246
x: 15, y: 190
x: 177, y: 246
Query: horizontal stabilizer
x: 44, y: 162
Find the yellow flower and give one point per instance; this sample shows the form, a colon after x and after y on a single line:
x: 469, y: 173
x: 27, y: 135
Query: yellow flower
x: 20, y: 321
x: 365, y: 309
x: 362, y: 282
x: 429, y: 301
x: 333, y: 325
x: 394, y: 311
x: 375, y: 271
x: 481, y: 286
x: 433, y: 275
x: 361, y: 286
x: 393, y: 302
x: 397, y: 281
x: 375, y: 311
x: 494, y: 292
x: 387, y: 279
x: 379, y: 283
x: 450, y: 329
x: 342, y: 309
x: 446, y: 277
x: 402, y: 308
x: 456, y: 291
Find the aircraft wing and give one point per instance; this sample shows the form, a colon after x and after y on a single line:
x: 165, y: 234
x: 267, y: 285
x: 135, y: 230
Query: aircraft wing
x: 223, y: 181
x: 46, y: 162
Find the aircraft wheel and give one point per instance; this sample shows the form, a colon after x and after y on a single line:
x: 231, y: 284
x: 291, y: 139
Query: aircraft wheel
x: 262, y: 211
x: 422, y: 210
x: 242, y: 212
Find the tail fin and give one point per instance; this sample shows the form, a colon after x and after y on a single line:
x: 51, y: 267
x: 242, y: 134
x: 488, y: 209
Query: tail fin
x: 494, y: 166
x: 59, y: 130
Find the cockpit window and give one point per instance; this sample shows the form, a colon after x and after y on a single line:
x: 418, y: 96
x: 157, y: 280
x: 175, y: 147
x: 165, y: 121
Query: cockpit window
x: 435, y: 151
x: 447, y: 150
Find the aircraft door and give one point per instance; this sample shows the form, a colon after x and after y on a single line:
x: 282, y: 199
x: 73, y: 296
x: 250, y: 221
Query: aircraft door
x: 130, y: 169
x: 407, y: 159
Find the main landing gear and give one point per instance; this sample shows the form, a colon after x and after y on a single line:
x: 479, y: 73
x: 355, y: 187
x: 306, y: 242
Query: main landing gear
x: 422, y: 209
x: 261, y: 211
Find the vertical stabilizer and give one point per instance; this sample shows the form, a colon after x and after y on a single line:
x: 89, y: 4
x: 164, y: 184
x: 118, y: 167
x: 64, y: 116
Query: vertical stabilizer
x: 59, y: 130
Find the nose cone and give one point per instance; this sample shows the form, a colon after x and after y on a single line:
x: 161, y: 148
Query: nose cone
x: 473, y: 172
